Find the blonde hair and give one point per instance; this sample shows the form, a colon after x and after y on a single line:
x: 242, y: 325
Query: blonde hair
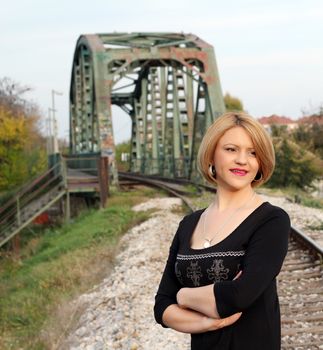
x: 261, y: 140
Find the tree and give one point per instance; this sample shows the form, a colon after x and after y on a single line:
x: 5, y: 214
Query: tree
x: 232, y: 103
x: 310, y: 137
x: 295, y: 166
x: 11, y: 97
x: 22, y: 147
x: 278, y: 130
x: 317, y: 138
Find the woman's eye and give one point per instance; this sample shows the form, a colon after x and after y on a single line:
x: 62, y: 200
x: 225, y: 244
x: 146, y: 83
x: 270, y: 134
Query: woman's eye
x: 230, y: 149
x: 253, y: 153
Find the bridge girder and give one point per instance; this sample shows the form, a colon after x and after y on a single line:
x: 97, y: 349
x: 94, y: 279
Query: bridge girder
x: 169, y: 85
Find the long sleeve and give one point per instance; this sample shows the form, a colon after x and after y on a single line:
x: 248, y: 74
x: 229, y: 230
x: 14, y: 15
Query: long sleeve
x: 265, y: 253
x: 169, y: 284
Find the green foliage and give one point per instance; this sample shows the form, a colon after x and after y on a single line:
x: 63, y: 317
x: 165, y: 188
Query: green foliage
x: 278, y: 130
x: 294, y: 165
x: 310, y: 136
x: 58, y: 264
x: 232, y: 103
x: 294, y: 195
x: 312, y: 203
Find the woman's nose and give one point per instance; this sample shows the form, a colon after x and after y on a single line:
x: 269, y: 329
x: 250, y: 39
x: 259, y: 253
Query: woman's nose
x: 241, y: 158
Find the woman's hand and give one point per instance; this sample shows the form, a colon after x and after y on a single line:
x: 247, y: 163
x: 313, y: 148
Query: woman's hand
x: 214, y: 324
x: 189, y: 321
x: 238, y: 275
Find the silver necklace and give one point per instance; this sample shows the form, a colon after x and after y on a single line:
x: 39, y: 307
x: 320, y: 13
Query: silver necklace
x: 208, y: 241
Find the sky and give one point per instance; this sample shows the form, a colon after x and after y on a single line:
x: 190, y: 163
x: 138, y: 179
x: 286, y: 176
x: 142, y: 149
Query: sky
x: 269, y: 53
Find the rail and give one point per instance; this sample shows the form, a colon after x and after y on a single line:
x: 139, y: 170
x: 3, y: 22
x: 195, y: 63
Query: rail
x: 307, y: 242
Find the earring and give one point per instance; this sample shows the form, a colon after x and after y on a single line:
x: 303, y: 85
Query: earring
x: 212, y: 170
x: 258, y: 177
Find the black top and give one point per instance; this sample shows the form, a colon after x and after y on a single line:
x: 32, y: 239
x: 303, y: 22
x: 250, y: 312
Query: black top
x: 257, y: 247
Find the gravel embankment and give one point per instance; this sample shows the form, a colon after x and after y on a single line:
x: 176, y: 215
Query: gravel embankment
x: 119, y: 312
x: 303, y: 218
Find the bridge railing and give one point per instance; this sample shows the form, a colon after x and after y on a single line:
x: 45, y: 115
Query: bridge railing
x: 86, y: 163
x: 13, y: 213
x: 87, y: 173
x: 81, y: 173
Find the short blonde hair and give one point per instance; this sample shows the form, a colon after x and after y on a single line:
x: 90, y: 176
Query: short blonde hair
x: 261, y: 140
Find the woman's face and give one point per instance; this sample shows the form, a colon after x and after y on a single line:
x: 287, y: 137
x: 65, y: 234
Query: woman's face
x: 235, y: 159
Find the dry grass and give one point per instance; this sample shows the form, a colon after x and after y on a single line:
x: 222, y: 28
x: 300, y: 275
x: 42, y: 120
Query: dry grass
x: 55, y: 267
x: 91, y: 269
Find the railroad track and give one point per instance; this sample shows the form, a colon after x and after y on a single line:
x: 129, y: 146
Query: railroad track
x: 300, y: 290
x: 300, y: 282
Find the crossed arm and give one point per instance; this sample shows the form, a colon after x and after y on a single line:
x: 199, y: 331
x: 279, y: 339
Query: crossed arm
x: 190, y: 321
x: 196, y: 311
x: 200, y: 299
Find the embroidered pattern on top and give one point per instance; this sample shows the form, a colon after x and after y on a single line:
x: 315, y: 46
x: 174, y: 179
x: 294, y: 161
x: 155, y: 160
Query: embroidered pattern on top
x: 178, y: 273
x: 194, y: 273
x: 210, y: 255
x: 217, y: 272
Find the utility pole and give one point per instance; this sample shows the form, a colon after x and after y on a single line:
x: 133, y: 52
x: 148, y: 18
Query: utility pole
x: 55, y: 129
x: 49, y: 133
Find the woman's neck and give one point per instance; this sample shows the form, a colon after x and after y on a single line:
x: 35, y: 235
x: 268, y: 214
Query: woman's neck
x: 230, y: 200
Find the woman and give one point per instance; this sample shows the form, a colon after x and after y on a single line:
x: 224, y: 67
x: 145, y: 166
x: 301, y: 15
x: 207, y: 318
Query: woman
x: 219, y: 283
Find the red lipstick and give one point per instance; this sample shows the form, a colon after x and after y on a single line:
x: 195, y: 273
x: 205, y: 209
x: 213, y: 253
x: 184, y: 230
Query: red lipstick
x: 239, y: 172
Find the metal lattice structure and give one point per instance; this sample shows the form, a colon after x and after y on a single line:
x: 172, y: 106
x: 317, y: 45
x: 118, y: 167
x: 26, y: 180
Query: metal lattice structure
x: 169, y: 85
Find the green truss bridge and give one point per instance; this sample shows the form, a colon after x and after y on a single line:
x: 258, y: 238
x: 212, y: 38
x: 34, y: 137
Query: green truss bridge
x: 168, y: 84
